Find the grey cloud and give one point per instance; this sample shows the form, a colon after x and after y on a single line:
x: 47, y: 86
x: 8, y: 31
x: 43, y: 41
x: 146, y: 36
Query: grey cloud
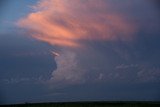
x: 123, y: 66
x: 149, y: 74
x: 23, y: 57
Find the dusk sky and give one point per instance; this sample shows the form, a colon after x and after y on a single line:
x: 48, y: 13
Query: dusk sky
x: 79, y: 50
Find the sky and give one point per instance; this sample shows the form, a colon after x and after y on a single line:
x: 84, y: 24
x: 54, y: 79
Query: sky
x: 79, y: 50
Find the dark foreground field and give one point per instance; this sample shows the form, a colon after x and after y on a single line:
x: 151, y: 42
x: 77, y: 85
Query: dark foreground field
x: 90, y: 104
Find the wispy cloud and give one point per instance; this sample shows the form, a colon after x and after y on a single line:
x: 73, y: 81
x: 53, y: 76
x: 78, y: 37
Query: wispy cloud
x: 149, y: 74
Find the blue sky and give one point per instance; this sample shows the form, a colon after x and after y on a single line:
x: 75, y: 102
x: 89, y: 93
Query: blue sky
x: 79, y: 50
x: 13, y: 11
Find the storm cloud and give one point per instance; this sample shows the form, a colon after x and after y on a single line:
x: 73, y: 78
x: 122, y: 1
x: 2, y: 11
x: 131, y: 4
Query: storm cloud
x: 81, y: 31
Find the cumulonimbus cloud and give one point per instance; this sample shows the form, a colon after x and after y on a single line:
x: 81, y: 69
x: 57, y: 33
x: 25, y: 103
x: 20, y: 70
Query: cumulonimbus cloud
x: 67, y: 22
x: 68, y: 71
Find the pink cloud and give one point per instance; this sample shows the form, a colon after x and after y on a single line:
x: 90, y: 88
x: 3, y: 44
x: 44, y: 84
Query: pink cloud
x: 66, y: 22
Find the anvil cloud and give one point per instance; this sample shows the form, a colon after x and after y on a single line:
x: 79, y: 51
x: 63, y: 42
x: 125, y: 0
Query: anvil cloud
x: 72, y: 24
x: 68, y: 22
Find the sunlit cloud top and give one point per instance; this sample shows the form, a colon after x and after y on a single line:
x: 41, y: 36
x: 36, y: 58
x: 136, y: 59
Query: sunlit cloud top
x: 68, y: 22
